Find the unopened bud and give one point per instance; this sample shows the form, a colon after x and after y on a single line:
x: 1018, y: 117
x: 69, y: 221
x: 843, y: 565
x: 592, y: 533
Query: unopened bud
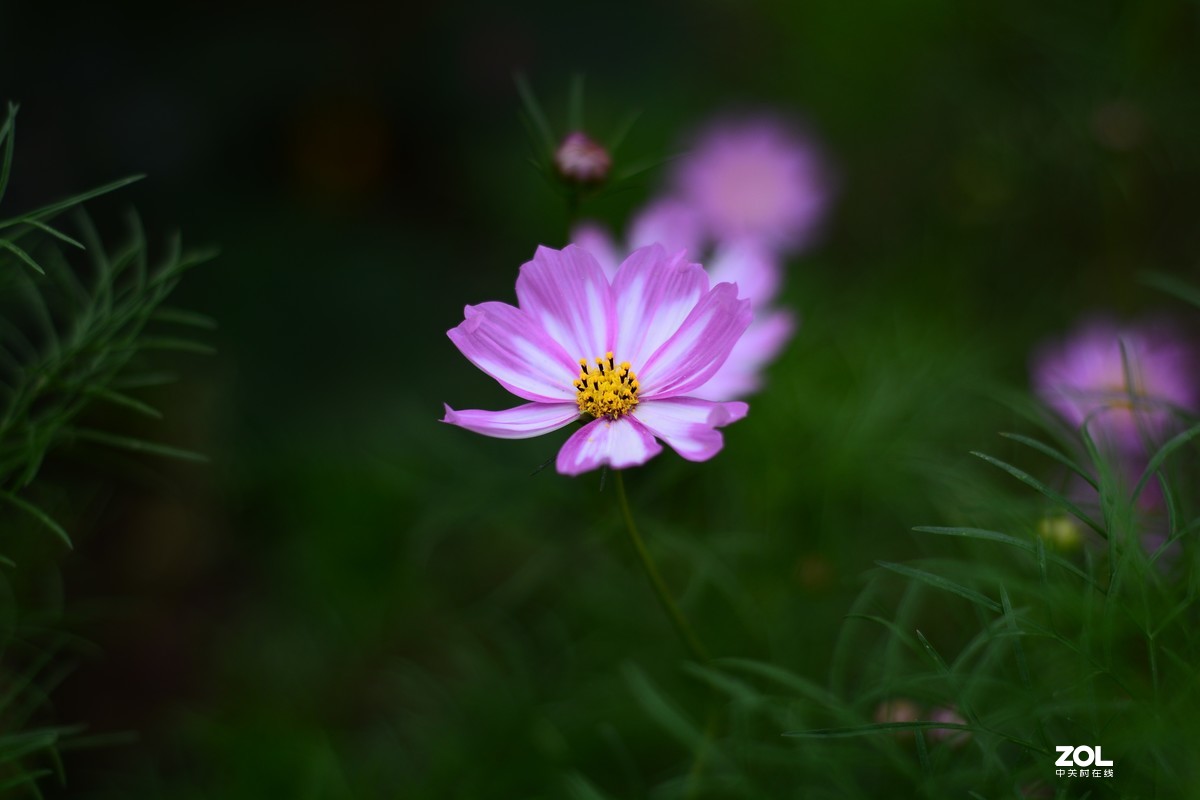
x: 580, y: 159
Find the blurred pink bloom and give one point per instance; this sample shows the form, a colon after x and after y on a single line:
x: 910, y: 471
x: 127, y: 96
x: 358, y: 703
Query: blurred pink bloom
x: 1127, y: 384
x: 1149, y: 511
x: 754, y: 269
x: 898, y: 709
x: 626, y: 352
x: 755, y: 178
x: 954, y: 737
x: 580, y: 159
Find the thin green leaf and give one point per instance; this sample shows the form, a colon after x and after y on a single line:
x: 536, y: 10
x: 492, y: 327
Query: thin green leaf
x: 945, y: 584
x: 933, y: 654
x: 534, y: 111
x: 70, y: 202
x: 1029, y: 480
x: 144, y: 380
x: 174, y: 343
x: 900, y: 633
x: 579, y: 788
x: 24, y: 779
x: 874, y: 729
x: 1172, y: 286
x: 179, y: 316
x: 57, y: 234
x: 8, y: 135
x: 39, y: 515
x: 802, y: 686
x: 622, y: 132
x: 1057, y: 455
x: 736, y: 689
x: 660, y: 709
x: 1036, y: 547
x: 1173, y: 444
x: 125, y: 401
x: 21, y: 254
x: 138, y: 445
x: 575, y: 103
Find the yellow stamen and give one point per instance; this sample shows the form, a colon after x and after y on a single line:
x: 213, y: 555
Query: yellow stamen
x: 606, y: 388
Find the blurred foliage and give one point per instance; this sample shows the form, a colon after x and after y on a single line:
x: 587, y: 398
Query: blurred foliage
x: 69, y: 340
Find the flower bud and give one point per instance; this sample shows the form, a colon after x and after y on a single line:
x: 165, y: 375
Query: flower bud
x: 580, y: 159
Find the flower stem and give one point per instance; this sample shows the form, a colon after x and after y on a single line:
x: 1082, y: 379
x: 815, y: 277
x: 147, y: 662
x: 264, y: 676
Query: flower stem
x: 660, y: 587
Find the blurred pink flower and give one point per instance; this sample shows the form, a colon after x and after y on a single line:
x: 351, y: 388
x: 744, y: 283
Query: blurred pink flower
x: 754, y: 269
x: 626, y: 353
x: 955, y: 737
x: 580, y: 159
x: 755, y: 178
x: 1126, y: 383
x: 898, y: 709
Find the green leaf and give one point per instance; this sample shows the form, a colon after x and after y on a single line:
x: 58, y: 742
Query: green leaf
x: 137, y: 445
x: 1172, y: 286
x: 661, y: 710
x: 580, y: 788
x: 40, y: 516
x: 945, y: 584
x: 21, y: 254
x: 622, y: 132
x: 125, y: 401
x: 8, y: 134
x: 70, y: 202
x: 25, y: 778
x: 179, y: 316
x: 783, y: 677
x: 933, y: 654
x: 57, y: 234
x: 575, y: 103
x: 536, y: 116
x: 1029, y: 480
x: 174, y: 343
x: 144, y: 380
x: 1036, y: 547
x: 1057, y: 455
x: 1173, y: 444
x: 875, y: 728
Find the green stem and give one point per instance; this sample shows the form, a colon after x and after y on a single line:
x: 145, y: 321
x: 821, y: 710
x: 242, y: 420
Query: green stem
x: 660, y: 587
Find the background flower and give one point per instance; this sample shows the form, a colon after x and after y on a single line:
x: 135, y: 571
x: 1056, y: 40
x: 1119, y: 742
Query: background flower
x: 1127, y: 383
x: 757, y: 178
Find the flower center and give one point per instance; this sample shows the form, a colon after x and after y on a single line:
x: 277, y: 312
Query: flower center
x: 606, y: 388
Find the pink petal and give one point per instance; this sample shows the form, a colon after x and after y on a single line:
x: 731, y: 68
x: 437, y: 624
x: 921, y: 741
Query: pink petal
x: 595, y: 238
x: 505, y: 343
x: 522, y: 422
x: 689, y: 425
x: 654, y: 295
x: 674, y: 225
x: 566, y: 293
x: 697, y: 350
x: 619, y: 444
x: 755, y: 270
x: 741, y: 374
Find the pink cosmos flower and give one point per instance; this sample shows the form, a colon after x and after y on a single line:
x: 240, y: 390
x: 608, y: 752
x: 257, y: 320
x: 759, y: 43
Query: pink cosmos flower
x: 1125, y: 383
x: 754, y: 269
x: 624, y: 353
x: 755, y: 178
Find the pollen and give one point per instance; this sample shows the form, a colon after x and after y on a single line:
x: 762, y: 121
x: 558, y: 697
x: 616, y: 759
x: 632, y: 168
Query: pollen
x: 606, y: 388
